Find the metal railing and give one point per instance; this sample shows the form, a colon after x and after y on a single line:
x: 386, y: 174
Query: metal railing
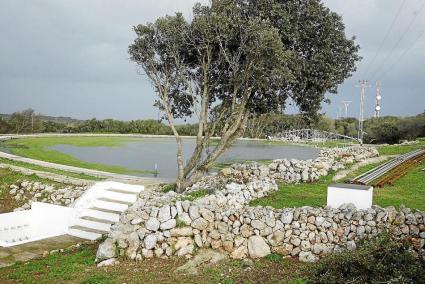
x: 378, y: 172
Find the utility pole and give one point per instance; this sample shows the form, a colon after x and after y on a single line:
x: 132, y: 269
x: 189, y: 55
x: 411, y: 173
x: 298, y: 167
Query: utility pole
x: 346, y: 104
x: 339, y: 113
x: 378, y: 100
x: 32, y: 122
x: 363, y: 84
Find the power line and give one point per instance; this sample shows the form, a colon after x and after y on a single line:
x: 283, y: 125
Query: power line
x: 399, y: 41
x: 403, y: 54
x: 385, y: 37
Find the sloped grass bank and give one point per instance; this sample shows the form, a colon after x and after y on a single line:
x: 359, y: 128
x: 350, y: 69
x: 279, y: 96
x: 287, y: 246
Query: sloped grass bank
x: 50, y: 170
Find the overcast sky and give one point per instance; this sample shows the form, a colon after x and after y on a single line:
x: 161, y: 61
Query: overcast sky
x: 70, y: 57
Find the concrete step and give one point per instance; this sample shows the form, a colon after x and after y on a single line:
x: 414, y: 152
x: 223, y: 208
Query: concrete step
x: 101, y: 227
x: 114, y: 200
x: 117, y: 197
x: 85, y: 229
x: 125, y: 190
x: 83, y: 234
x: 100, y: 215
x: 108, y: 206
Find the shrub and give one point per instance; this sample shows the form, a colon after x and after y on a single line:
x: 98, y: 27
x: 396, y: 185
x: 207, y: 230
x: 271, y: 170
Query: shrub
x: 169, y: 187
x: 383, y: 260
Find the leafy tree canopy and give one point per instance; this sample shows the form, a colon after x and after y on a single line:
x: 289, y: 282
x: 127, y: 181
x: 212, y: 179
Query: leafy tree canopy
x: 241, y: 58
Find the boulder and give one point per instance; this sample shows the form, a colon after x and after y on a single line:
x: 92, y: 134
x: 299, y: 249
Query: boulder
x: 106, y: 250
x: 150, y: 241
x: 152, y: 224
x: 200, y: 224
x: 257, y: 247
x: 287, y: 217
x: 167, y: 225
x: 181, y: 232
x: 307, y: 256
x: 164, y: 213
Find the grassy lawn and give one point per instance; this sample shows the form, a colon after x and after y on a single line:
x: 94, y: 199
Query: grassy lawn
x: 401, y: 149
x: 38, y: 148
x: 78, y: 266
x: 409, y: 190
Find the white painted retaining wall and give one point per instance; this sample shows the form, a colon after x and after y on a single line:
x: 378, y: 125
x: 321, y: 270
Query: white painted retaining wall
x: 46, y: 220
x: 42, y: 221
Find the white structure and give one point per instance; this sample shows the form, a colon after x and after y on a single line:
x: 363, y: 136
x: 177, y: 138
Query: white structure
x: 359, y: 195
x: 378, y: 100
x: 42, y: 221
x: 89, y: 217
x: 100, y: 206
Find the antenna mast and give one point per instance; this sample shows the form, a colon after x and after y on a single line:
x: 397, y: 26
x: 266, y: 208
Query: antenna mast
x: 363, y: 84
x: 378, y: 100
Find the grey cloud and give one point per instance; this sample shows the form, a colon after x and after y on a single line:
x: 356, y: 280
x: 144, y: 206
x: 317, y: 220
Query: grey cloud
x: 70, y: 57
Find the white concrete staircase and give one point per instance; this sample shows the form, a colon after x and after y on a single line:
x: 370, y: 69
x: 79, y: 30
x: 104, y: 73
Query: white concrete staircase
x: 100, y: 207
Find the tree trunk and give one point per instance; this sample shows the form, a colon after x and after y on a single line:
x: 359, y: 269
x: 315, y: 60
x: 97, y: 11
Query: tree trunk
x: 227, y: 139
x: 180, y: 162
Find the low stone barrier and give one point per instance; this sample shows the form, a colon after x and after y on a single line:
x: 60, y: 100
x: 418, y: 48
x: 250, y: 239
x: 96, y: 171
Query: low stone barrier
x: 166, y: 224
x: 30, y: 191
x: 147, y: 230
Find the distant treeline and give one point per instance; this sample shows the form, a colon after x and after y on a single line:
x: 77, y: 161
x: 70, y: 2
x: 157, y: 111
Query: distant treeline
x: 388, y: 129
x: 28, y: 121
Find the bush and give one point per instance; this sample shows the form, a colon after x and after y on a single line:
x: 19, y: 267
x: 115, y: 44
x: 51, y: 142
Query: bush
x: 383, y: 260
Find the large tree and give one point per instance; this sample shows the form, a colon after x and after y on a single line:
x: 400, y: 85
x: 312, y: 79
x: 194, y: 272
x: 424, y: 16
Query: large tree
x: 237, y: 59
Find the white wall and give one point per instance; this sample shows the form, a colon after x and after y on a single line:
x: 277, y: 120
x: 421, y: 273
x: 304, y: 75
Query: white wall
x: 42, y: 221
x: 359, y: 195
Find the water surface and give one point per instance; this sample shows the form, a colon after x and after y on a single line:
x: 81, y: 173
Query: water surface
x: 144, y: 153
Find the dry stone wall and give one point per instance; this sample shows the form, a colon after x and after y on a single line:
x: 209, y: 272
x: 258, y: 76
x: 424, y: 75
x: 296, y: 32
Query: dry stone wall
x: 27, y: 192
x: 166, y: 224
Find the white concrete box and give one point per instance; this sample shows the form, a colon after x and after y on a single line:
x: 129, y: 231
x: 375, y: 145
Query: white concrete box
x: 359, y: 195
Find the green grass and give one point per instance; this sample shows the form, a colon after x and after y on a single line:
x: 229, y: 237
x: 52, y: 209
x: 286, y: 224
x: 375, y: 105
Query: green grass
x: 50, y: 170
x: 8, y: 177
x: 169, y: 187
x: 228, y: 163
x: 38, y: 148
x: 409, y: 190
x: 56, y: 268
x: 195, y: 195
x: 274, y: 257
x: 78, y: 266
x: 401, y: 149
x: 297, y: 195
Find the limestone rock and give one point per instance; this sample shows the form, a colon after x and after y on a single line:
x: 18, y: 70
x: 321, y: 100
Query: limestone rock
x: 200, y: 224
x: 306, y: 256
x: 152, y: 224
x: 167, y: 225
x: 106, y: 250
x: 287, y: 217
x: 257, y: 247
x: 150, y: 241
